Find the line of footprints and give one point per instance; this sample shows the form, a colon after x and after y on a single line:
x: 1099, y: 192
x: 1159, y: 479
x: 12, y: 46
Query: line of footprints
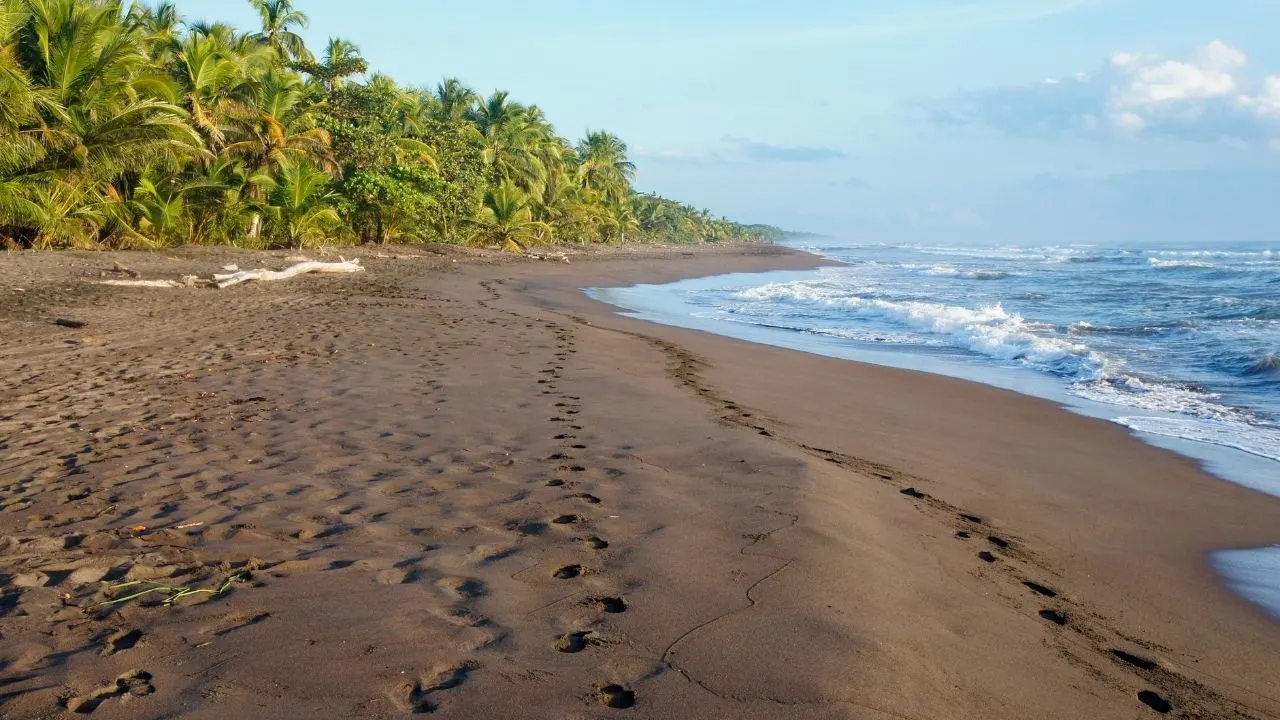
x: 566, y: 408
x: 1055, y: 615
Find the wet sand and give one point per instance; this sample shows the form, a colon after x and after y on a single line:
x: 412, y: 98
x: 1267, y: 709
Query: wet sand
x: 455, y: 485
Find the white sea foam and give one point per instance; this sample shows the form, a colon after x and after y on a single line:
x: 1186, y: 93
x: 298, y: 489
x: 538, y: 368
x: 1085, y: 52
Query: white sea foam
x: 1129, y: 391
x: 1253, y: 439
x: 989, y: 330
x: 1254, y: 574
x: 955, y: 272
x: 878, y: 336
x: 1157, y: 262
x: 1216, y: 253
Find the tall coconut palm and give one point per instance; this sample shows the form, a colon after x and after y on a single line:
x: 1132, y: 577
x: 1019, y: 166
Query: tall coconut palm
x: 603, y: 165
x: 278, y: 18
x: 278, y: 129
x: 454, y: 100
x: 159, y: 26
x: 277, y: 133
x: 211, y: 81
x: 510, y: 142
x: 341, y: 61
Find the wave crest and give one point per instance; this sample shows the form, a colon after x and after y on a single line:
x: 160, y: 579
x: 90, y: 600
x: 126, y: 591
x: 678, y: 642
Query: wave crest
x: 990, y: 330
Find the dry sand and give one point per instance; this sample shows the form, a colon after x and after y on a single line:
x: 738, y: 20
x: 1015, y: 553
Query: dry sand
x: 454, y: 485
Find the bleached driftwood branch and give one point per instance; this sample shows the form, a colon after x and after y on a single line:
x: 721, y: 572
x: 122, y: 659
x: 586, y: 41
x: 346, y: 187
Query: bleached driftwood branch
x: 143, y: 283
x: 302, y: 268
x: 235, y: 278
x: 187, y: 281
x: 562, y: 257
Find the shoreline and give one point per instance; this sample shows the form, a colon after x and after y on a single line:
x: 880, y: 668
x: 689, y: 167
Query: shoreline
x: 345, y: 435
x: 1246, y: 570
x: 1240, y: 464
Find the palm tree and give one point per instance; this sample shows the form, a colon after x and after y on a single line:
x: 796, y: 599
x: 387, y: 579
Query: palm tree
x: 511, y: 137
x: 100, y: 112
x: 454, y: 101
x: 277, y: 17
x: 603, y: 165
x: 158, y: 209
x: 301, y: 205
x: 99, y: 116
x: 507, y: 220
x: 19, y: 98
x: 277, y: 133
x: 279, y: 130
x: 219, y: 198
x: 341, y: 61
x: 211, y: 81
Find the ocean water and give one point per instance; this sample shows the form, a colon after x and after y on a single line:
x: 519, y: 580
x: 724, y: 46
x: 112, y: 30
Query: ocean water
x: 1179, y: 344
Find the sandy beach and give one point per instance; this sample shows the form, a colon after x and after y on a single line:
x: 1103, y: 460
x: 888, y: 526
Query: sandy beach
x: 455, y: 485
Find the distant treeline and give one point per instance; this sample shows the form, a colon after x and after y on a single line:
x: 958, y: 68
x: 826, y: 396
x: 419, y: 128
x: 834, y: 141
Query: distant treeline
x: 130, y: 126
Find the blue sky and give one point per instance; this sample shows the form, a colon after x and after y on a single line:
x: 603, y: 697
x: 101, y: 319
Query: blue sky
x: 1027, y: 121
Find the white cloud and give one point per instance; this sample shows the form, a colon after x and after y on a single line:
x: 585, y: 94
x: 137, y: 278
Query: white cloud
x: 1149, y: 81
x: 1221, y: 56
x: 1209, y: 95
x: 1131, y: 121
x: 1267, y: 102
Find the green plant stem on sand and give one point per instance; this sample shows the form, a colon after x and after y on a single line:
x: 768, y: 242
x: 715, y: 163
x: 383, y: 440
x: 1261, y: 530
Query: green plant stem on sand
x: 174, y: 593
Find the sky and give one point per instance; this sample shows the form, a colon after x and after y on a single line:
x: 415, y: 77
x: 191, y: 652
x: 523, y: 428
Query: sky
x: 983, y: 121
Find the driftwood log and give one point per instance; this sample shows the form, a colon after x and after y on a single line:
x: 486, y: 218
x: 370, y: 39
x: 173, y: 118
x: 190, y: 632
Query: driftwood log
x: 302, y: 268
x: 223, y: 280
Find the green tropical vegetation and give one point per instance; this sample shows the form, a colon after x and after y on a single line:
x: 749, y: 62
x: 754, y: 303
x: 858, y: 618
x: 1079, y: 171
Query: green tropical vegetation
x: 128, y: 126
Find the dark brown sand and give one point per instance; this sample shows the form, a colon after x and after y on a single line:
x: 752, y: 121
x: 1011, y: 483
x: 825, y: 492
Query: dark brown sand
x: 454, y: 485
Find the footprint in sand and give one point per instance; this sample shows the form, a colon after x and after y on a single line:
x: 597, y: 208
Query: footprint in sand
x: 568, y: 572
x: 577, y: 642
x: 418, y: 697
x: 1039, y: 589
x: 121, y: 641
x: 1057, y: 617
x: 465, y: 588
x: 136, y: 683
x: 612, y: 605
x: 592, y: 542
x: 586, y: 498
x: 526, y: 528
x: 1152, y: 699
x: 1137, y: 661
x: 616, y: 696
x: 567, y: 520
